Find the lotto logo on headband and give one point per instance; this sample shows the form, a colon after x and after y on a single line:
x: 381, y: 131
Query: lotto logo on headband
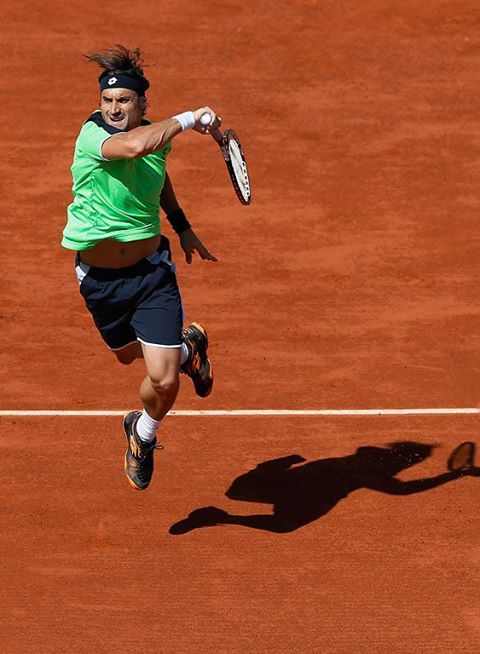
x: 115, y: 80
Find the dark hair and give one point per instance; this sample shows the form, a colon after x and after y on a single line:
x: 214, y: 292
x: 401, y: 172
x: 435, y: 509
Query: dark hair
x: 120, y: 59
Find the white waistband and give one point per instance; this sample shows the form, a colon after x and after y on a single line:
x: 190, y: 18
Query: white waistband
x: 157, y: 257
x: 81, y: 270
x: 161, y: 257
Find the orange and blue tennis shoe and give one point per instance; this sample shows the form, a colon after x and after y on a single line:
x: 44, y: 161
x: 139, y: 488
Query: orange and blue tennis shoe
x: 198, y: 366
x: 139, y: 454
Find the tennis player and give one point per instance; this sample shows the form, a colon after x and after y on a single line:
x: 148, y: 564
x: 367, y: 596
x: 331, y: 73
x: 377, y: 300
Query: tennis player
x: 123, y: 261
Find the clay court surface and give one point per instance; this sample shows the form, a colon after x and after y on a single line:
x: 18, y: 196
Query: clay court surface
x: 351, y: 282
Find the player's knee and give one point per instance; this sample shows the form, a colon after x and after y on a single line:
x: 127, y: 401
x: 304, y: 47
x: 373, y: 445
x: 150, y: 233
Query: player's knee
x: 165, y: 384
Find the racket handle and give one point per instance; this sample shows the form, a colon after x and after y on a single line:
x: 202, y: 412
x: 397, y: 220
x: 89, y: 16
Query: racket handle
x: 216, y: 133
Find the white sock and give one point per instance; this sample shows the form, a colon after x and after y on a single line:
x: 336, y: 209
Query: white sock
x: 146, y: 427
x: 184, y: 354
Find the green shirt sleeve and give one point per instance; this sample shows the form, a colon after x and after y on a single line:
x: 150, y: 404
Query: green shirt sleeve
x: 91, y: 139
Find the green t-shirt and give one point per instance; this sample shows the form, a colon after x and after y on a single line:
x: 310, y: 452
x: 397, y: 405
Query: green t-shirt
x: 117, y: 199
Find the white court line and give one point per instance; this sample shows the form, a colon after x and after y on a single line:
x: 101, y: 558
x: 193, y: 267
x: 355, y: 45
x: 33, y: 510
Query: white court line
x: 253, y: 412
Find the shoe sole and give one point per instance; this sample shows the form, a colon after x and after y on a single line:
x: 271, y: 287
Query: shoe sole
x: 202, y: 329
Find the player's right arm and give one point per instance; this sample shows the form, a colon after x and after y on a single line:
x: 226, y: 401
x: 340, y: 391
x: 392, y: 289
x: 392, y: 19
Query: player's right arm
x: 143, y: 140
x: 393, y: 486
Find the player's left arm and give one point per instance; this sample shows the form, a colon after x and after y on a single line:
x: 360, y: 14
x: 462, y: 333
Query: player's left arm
x: 188, y: 239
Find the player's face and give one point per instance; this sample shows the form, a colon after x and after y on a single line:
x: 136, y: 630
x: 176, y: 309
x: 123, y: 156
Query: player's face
x: 122, y: 108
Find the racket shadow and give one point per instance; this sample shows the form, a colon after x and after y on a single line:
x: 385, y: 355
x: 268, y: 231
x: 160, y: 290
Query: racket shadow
x: 302, y: 492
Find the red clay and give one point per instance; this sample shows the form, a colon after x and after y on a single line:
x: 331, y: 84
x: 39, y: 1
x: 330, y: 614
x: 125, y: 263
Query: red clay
x: 350, y: 282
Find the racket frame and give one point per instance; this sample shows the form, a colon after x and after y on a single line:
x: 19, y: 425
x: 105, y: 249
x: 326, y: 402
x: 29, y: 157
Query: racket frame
x: 223, y: 141
x: 470, y: 459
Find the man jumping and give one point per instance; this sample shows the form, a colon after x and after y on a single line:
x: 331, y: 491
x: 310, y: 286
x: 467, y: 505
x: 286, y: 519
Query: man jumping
x: 123, y: 262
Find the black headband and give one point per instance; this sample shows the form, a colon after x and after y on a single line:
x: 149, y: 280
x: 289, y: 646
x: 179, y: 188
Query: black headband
x: 123, y: 81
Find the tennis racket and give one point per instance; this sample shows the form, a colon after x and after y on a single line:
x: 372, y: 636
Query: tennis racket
x: 462, y: 457
x: 234, y: 159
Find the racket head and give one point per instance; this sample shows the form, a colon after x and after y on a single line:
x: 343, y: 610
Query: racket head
x: 237, y: 166
x: 462, y: 457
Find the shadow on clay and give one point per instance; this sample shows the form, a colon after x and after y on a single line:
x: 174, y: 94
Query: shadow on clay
x: 302, y: 492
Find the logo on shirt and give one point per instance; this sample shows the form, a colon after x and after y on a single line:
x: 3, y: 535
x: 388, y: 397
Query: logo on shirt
x: 112, y: 80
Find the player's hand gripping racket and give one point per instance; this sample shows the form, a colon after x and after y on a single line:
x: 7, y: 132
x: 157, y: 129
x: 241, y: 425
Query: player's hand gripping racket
x: 234, y: 159
x: 462, y: 459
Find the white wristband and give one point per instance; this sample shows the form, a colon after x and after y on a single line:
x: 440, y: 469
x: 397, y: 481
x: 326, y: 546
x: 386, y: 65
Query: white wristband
x: 186, y: 120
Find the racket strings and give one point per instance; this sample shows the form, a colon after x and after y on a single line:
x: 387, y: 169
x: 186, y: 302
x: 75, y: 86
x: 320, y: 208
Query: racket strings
x: 462, y: 457
x: 239, y: 168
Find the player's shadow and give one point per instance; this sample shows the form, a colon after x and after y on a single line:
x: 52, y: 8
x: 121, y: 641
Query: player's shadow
x: 301, y: 494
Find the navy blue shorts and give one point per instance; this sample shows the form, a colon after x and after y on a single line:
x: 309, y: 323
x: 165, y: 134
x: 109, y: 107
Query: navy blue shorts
x: 137, y: 303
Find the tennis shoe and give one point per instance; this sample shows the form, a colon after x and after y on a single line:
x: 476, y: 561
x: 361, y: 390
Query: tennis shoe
x: 139, y: 454
x: 198, y: 366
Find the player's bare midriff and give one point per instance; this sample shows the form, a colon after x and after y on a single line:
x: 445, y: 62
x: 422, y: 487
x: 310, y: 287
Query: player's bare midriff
x: 113, y: 254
